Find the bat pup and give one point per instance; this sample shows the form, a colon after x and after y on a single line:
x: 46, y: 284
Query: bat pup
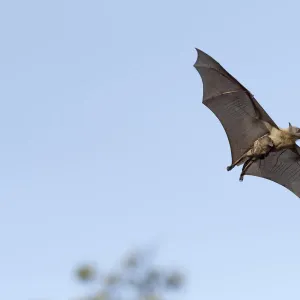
x: 264, y: 149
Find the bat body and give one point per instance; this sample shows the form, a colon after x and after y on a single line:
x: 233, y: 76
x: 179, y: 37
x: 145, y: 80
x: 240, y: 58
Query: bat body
x: 264, y: 149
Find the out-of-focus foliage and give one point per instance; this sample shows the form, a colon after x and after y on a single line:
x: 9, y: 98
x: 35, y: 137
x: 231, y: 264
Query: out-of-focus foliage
x: 137, y: 278
x: 86, y: 273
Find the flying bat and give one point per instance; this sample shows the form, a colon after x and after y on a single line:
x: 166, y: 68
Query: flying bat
x: 256, y: 142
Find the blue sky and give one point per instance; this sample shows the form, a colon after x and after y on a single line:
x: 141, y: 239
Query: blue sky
x: 105, y: 144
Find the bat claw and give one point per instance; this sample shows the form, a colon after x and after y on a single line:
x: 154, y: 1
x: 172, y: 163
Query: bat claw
x: 241, y: 178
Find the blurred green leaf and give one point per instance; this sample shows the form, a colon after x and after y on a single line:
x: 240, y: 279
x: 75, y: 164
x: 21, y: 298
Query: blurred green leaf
x: 131, y: 261
x: 100, y: 296
x: 112, y: 279
x: 153, y: 277
x: 175, y: 280
x: 86, y: 273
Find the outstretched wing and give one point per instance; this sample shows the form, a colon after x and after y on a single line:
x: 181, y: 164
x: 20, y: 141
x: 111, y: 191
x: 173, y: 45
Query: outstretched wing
x: 235, y: 107
x: 282, y: 167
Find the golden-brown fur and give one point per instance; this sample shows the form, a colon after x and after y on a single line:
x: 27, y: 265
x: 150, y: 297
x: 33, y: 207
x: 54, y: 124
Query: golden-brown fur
x: 277, y: 139
x: 283, y: 137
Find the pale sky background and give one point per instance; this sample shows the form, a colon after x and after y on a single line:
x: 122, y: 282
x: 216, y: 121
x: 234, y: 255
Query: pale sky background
x: 105, y: 144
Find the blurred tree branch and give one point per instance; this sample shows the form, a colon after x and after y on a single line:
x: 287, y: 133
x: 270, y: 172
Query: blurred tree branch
x: 137, y: 279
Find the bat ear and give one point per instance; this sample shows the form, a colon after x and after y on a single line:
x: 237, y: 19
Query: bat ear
x: 290, y: 127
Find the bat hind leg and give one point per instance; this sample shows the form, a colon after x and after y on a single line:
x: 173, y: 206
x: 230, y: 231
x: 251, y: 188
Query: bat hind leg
x: 246, y: 166
x: 261, y: 149
x: 252, y: 159
x: 229, y: 168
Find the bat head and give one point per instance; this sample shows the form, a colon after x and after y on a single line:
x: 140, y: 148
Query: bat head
x: 295, y: 131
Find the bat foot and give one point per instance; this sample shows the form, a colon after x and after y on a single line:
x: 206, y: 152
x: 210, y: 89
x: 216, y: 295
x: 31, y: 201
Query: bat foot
x: 241, y: 178
x: 229, y: 168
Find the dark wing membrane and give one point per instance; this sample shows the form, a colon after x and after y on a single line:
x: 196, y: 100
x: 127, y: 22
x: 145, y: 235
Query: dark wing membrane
x: 282, y: 167
x: 239, y: 113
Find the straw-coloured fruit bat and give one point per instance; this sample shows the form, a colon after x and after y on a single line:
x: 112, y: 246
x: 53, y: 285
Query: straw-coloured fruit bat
x: 264, y: 149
